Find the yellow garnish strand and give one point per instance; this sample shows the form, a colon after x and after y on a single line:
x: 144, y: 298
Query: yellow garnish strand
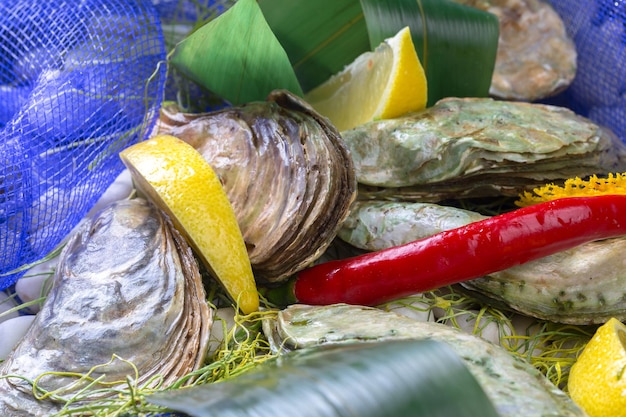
x: 576, y: 187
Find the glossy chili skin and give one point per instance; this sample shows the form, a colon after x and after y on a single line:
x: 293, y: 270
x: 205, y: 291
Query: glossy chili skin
x: 464, y: 253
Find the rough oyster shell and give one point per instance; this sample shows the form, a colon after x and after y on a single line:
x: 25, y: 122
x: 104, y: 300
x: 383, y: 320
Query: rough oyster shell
x: 583, y: 285
x: 515, y: 387
x: 536, y: 58
x: 476, y: 147
x: 286, y: 171
x: 127, y: 284
x: 375, y: 225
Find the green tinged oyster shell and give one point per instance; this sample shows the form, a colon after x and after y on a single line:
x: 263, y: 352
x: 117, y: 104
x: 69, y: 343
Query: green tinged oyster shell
x: 376, y: 225
x: 583, y: 285
x: 515, y: 387
x: 475, y: 147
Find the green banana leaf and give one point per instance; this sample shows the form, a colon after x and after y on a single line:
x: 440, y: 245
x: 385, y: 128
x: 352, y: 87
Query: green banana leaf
x: 255, y: 47
x: 456, y: 44
x: 320, y: 37
x: 408, y: 378
x: 236, y: 56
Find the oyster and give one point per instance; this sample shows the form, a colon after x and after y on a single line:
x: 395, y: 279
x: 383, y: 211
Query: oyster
x: 127, y: 285
x: 375, y: 225
x: 536, y: 58
x: 515, y: 387
x: 477, y: 147
x: 287, y: 173
x: 583, y: 285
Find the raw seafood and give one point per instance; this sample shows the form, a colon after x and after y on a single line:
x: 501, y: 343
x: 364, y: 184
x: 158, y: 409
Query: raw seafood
x: 515, y: 387
x: 127, y: 290
x: 536, y: 57
x: 475, y: 147
x: 286, y: 171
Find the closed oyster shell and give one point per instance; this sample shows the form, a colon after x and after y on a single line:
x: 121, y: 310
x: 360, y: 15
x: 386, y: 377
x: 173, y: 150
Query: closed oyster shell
x: 477, y: 147
x: 536, y: 58
x: 516, y: 388
x: 376, y: 225
x: 287, y: 173
x: 127, y: 284
x: 584, y: 285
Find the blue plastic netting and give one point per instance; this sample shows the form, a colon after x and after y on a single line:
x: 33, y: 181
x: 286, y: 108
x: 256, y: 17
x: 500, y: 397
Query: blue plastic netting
x: 79, y: 80
x: 598, y: 28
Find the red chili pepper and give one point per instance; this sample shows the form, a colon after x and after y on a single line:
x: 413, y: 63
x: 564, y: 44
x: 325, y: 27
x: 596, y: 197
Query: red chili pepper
x: 464, y: 253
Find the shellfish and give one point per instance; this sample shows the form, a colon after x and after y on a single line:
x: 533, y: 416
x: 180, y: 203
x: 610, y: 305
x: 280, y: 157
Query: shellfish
x: 286, y: 171
x: 478, y: 147
x: 536, y: 57
x: 581, y: 286
x: 127, y: 286
x: 515, y: 387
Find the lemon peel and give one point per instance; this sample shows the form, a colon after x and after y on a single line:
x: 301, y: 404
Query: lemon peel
x: 382, y: 84
x: 597, y: 380
x: 175, y: 177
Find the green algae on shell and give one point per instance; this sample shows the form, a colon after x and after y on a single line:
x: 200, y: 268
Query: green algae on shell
x: 473, y: 147
x: 374, y: 225
x: 515, y: 387
x: 584, y: 285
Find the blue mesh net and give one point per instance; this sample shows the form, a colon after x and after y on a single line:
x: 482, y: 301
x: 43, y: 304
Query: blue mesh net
x: 598, y: 28
x: 79, y: 81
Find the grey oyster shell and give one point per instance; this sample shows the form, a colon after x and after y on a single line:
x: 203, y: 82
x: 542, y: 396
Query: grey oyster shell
x: 477, y: 147
x: 286, y: 171
x: 127, y: 284
x: 375, y: 225
x: 536, y: 57
x: 584, y: 285
x: 516, y: 388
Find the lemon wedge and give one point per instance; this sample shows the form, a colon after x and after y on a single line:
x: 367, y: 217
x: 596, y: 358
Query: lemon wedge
x: 385, y: 83
x: 175, y: 177
x: 597, y: 380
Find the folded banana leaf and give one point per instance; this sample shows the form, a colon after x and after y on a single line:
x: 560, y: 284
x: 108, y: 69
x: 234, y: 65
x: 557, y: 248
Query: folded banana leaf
x: 514, y: 386
x: 478, y: 147
x: 409, y: 378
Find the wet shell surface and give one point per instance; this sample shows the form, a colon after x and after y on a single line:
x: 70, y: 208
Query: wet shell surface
x: 536, y: 57
x: 477, y: 147
x: 515, y: 387
x: 287, y: 173
x: 127, y: 289
x: 375, y: 225
x: 584, y: 285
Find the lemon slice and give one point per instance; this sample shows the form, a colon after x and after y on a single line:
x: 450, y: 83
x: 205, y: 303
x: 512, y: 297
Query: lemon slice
x: 176, y: 177
x: 597, y: 381
x: 382, y: 84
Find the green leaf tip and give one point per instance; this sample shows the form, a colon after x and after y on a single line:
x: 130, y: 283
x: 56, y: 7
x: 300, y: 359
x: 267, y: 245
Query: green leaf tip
x: 457, y: 44
x: 236, y: 56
